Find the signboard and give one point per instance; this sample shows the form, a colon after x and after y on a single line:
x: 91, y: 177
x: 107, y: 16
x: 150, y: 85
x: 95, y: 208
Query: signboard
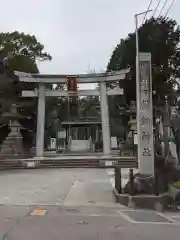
x: 128, y: 163
x: 71, y: 84
x: 62, y: 133
x: 109, y: 163
x: 53, y: 143
x: 114, y: 142
x: 145, y: 121
x: 31, y: 164
x: 135, y: 139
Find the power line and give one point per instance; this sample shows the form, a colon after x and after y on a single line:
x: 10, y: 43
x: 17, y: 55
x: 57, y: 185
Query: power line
x: 147, y: 11
x: 163, y: 8
x: 169, y: 8
x: 156, y: 7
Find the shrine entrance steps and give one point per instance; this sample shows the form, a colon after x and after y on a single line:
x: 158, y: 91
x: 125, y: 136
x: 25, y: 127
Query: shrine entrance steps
x: 75, y: 160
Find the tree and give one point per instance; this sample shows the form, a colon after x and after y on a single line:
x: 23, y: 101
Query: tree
x: 160, y: 37
x: 25, y: 49
x: 89, y: 106
x: 19, y: 52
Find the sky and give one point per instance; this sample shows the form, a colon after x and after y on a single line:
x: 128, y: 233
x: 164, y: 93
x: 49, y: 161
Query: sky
x: 79, y: 34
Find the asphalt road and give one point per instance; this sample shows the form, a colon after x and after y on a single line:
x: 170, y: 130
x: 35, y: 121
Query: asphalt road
x: 74, y: 204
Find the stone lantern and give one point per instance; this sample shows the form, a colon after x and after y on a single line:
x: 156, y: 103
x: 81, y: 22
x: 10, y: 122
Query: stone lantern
x: 12, y: 146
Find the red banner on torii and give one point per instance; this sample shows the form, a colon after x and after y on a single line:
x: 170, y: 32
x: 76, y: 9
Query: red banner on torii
x: 72, y: 84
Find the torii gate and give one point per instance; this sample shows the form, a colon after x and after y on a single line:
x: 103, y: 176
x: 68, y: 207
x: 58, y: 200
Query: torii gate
x: 41, y: 93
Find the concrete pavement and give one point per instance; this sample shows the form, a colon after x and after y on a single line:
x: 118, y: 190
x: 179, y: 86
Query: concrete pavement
x: 74, y: 204
x: 55, y: 187
x: 86, y: 223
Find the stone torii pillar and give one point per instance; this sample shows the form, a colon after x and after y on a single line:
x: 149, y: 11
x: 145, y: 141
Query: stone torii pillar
x: 105, y: 119
x: 40, y: 121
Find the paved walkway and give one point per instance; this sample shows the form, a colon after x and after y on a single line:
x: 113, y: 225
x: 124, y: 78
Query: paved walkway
x: 56, y: 187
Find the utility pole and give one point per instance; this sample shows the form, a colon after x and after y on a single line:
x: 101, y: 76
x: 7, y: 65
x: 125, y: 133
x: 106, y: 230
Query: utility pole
x: 165, y: 129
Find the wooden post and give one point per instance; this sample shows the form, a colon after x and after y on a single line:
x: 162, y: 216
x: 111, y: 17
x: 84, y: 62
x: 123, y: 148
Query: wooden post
x: 118, y: 186
x: 156, y: 183
x: 131, y: 181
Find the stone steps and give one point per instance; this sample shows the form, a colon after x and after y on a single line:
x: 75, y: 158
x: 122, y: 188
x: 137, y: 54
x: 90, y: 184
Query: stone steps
x: 71, y: 161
